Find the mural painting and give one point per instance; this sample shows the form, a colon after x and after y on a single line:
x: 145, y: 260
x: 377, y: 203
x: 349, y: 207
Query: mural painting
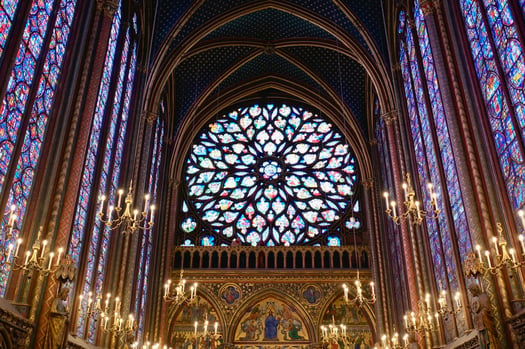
x: 358, y: 333
x: 271, y: 323
x: 188, y: 330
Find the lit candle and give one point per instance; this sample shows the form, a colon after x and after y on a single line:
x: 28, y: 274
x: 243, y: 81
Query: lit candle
x: 102, y: 199
x: 18, y: 243
x: 393, y: 204
x: 216, y: 326
x: 405, y: 317
x: 166, y: 289
x: 385, y: 195
x: 28, y: 254
x: 152, y: 208
x: 345, y: 288
x: 405, y: 340
x: 418, y: 211
x: 146, y: 203
x: 205, y: 327
x: 9, y: 251
x: 12, y: 216
x: 427, y: 300
x: 110, y: 210
x: 135, y: 213
x: 457, y: 297
x: 521, y: 237
x: 51, y: 255
x: 522, y: 217
x: 372, y: 289
x: 196, y: 323
x: 405, y: 187
x: 495, y: 241
x: 487, y: 254
x: 383, y: 340
x: 60, y: 251
x: 478, y: 248
x: 44, y: 244
x: 513, y: 255
x: 120, y: 192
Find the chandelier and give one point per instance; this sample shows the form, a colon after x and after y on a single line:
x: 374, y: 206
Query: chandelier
x: 505, y: 257
x: 393, y: 342
x: 412, y: 207
x: 35, y: 259
x: 128, y: 217
x: 179, y: 294
x: 360, y: 299
x: 333, y: 333
x: 425, y: 320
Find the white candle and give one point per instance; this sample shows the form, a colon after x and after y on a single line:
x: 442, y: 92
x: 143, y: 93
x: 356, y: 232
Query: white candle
x: 18, y: 243
x: 478, y: 248
x: 405, y: 186
x: 393, y: 203
x: 458, y: 300
x: 166, y: 289
x: 216, y: 326
x: 487, y: 254
x: 372, y: 289
x: 521, y: 237
x: 60, y: 250
x: 405, y: 317
x: 120, y: 192
x: 146, y: 203
x: 513, y: 255
x: 196, y: 323
x: 28, y: 254
x: 345, y: 289
x: 418, y: 211
x: 44, y: 244
x: 522, y: 217
x: 9, y: 251
x: 152, y: 207
x: 495, y: 241
x: 385, y: 195
x: 51, y: 255
x: 102, y: 199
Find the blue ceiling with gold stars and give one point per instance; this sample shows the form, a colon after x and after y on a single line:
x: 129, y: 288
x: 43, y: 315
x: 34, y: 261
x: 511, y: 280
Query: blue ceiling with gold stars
x: 197, y: 43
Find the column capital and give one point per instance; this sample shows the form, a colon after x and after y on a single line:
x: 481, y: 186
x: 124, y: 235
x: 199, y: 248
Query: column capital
x: 150, y: 116
x: 109, y: 7
x: 389, y: 117
x: 368, y: 183
x: 427, y: 7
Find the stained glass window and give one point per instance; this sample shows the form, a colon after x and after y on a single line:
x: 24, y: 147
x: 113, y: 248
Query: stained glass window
x: 7, y: 13
x: 147, y: 238
x: 277, y: 175
x: 109, y: 150
x: 497, y: 53
x: 14, y: 111
x: 432, y: 147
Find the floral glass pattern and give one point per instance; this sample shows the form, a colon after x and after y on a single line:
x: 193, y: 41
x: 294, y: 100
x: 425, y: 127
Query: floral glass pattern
x: 269, y: 175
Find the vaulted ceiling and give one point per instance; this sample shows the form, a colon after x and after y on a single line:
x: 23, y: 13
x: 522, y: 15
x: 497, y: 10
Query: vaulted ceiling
x: 323, y: 52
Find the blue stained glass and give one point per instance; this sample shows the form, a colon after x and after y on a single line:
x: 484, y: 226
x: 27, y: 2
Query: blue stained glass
x: 32, y: 141
x: 249, y: 165
x: 510, y: 52
x: 80, y: 219
x: 445, y: 148
x: 7, y: 12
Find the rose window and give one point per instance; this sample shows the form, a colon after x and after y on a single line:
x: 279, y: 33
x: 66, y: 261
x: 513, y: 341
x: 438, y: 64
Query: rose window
x: 276, y: 175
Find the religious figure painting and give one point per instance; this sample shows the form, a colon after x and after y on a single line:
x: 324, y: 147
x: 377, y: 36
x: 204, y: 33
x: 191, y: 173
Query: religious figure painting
x: 230, y: 293
x: 271, y: 320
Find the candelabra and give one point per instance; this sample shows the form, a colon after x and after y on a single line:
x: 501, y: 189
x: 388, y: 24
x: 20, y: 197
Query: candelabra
x: 504, y: 257
x: 393, y: 342
x: 36, y: 259
x: 412, y: 209
x: 179, y: 294
x: 425, y: 320
x: 333, y: 333
x: 206, y: 337
x: 111, y: 320
x: 359, y: 298
x: 129, y: 218
x: 444, y: 309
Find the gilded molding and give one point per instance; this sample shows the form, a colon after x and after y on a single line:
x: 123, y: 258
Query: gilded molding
x: 150, y: 117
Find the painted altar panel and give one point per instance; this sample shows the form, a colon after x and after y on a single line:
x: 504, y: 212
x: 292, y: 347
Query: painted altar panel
x: 271, y: 323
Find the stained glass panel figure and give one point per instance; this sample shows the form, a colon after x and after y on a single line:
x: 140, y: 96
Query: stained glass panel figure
x: 7, y: 13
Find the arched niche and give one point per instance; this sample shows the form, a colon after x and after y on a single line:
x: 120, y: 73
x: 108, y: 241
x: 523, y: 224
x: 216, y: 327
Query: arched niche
x: 271, y: 320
